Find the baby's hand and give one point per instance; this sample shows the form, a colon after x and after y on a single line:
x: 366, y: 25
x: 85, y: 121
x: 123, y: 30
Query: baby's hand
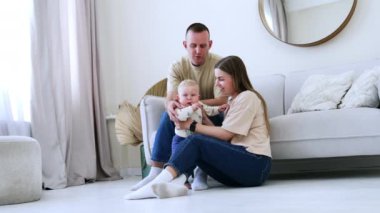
x: 196, y: 106
x: 223, y: 108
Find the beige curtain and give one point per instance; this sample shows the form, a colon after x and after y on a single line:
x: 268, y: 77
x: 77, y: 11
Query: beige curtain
x: 67, y: 115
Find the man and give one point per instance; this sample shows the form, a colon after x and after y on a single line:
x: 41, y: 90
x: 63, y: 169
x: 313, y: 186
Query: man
x: 199, y: 66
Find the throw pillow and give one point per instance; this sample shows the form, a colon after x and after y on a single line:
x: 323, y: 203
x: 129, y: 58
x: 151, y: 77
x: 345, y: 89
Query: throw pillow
x: 363, y: 92
x: 321, y: 92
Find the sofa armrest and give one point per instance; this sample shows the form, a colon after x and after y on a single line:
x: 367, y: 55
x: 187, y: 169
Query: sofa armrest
x: 151, y: 109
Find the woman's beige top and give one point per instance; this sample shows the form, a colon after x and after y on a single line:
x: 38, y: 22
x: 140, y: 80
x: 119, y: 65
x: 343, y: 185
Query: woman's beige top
x: 246, y: 119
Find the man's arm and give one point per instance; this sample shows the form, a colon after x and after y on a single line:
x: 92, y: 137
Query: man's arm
x: 171, y: 104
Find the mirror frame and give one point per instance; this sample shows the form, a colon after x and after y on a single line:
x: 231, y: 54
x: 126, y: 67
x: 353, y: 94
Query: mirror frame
x: 314, y: 43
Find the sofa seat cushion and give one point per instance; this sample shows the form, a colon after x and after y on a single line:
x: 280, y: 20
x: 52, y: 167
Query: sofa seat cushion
x: 341, y: 132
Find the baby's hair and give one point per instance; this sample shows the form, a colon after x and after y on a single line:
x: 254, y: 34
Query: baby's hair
x: 188, y: 83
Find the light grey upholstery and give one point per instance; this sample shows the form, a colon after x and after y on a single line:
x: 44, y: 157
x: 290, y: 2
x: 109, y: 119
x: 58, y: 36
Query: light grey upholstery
x: 151, y: 109
x: 331, y: 133
x: 274, y: 97
x: 20, y: 170
x: 307, y: 135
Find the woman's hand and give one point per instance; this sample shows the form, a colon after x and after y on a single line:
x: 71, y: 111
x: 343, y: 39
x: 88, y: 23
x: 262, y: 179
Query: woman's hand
x: 224, y: 108
x: 196, y: 106
x: 184, y: 125
x: 205, y: 120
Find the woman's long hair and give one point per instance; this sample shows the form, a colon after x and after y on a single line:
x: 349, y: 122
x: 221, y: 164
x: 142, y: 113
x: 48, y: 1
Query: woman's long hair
x: 234, y: 66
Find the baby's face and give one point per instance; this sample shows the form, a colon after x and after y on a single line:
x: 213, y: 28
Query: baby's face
x: 188, y: 95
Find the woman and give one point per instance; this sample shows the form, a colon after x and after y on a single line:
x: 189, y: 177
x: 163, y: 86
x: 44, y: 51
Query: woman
x: 235, y: 154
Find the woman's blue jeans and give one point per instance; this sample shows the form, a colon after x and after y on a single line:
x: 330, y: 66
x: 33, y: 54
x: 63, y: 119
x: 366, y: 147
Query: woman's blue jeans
x: 162, y: 147
x: 229, y: 164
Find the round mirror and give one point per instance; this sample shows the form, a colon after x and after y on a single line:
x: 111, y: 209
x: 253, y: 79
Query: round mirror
x: 305, y: 22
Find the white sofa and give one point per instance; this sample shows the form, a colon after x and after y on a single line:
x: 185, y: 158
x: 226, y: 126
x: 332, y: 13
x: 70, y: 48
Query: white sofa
x: 327, y: 137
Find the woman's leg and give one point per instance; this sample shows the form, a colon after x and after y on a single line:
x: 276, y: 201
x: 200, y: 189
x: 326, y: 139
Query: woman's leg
x: 227, y: 163
x: 161, y: 150
x: 163, y: 186
x: 200, y: 180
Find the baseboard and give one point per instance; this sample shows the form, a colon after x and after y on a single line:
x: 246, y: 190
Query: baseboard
x: 326, y: 164
x: 130, y: 172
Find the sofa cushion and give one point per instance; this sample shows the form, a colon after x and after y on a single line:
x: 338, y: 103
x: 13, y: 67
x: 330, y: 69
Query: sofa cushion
x: 363, y: 92
x: 321, y: 92
x: 271, y: 87
x: 333, y: 133
x: 294, y: 80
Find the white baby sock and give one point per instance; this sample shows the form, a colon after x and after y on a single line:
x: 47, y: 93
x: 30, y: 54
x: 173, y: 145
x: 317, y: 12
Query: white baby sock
x: 167, y: 190
x: 200, y: 180
x: 146, y: 191
x: 154, y: 171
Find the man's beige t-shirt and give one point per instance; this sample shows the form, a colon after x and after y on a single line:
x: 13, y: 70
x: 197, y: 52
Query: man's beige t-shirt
x: 204, y: 75
x: 246, y: 119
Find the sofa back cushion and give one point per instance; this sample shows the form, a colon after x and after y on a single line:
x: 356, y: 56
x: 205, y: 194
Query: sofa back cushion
x: 271, y: 87
x: 294, y: 80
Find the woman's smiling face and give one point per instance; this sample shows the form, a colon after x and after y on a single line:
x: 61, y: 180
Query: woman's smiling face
x: 225, y: 82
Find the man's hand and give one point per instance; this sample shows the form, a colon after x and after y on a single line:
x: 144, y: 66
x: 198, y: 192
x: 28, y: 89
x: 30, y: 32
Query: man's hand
x: 170, y: 107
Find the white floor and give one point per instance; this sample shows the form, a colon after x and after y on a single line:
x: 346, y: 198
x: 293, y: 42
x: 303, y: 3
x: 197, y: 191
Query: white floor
x: 357, y: 191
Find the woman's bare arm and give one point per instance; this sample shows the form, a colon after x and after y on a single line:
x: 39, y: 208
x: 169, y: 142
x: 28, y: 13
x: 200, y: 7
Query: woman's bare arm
x: 214, y: 131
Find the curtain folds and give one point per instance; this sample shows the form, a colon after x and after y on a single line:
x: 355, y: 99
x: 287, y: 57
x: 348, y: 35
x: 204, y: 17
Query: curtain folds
x: 67, y: 116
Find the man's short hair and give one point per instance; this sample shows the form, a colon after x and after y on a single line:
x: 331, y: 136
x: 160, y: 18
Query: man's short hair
x: 197, y: 28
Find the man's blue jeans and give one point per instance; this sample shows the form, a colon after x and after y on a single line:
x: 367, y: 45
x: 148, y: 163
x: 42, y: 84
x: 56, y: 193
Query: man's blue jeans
x: 229, y: 164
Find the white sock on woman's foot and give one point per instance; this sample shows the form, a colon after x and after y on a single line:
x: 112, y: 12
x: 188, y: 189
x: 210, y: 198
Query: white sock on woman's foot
x: 167, y: 190
x: 200, y: 180
x: 154, y: 172
x: 180, y: 180
x: 146, y: 191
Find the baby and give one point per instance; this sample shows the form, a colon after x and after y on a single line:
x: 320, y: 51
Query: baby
x: 191, y: 107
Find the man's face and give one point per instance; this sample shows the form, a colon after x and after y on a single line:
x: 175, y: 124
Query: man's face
x: 197, y: 45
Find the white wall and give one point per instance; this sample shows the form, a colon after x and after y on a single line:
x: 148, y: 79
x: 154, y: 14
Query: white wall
x: 138, y: 39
